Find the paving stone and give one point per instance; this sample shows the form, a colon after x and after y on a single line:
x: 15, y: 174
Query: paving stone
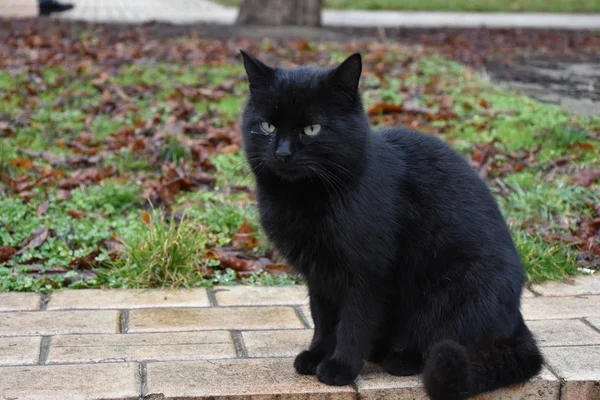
x: 161, y: 320
x: 580, y: 106
x: 528, y: 293
x: 543, y: 387
x: 18, y: 8
x: 123, y: 298
x: 374, y: 384
x: 19, y: 301
x: 19, y: 350
x: 307, y: 315
x: 575, y: 390
x: 595, y: 322
x: 584, y: 285
x: 264, y: 379
x: 57, y: 322
x: 286, y: 343
x: 574, y: 363
x: 71, y: 382
x: 261, y: 295
x: 563, y: 332
x: 141, y: 346
x: 561, y: 307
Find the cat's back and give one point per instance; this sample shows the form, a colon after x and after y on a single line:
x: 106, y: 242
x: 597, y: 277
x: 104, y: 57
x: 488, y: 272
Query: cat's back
x: 449, y: 200
x: 430, y: 163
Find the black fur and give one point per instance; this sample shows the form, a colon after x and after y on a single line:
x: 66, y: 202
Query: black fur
x: 406, y: 255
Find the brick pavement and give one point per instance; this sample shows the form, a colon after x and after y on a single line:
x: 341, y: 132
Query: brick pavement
x: 239, y: 343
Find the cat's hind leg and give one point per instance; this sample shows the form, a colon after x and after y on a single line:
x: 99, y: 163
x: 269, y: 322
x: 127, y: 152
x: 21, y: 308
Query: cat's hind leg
x: 403, y: 363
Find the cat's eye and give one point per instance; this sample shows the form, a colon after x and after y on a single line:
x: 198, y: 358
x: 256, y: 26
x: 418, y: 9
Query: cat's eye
x: 267, y: 127
x: 312, y: 130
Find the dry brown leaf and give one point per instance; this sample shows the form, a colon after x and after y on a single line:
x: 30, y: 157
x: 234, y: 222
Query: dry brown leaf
x: 233, y: 261
x: 582, y: 146
x: 36, y: 239
x: 145, y: 217
x: 42, y: 208
x: 86, y: 261
x: 6, y: 253
x: 76, y: 213
x: 21, y: 162
x: 63, y: 195
x: 245, y: 237
x: 586, y: 177
x: 385, y: 108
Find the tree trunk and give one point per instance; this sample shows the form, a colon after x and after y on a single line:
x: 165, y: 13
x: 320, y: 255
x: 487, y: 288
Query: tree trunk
x: 280, y: 12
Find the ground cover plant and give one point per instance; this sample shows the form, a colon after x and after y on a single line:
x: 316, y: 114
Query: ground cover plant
x: 120, y: 161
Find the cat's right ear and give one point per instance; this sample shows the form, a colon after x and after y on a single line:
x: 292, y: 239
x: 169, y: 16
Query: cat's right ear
x: 259, y: 74
x: 347, y: 75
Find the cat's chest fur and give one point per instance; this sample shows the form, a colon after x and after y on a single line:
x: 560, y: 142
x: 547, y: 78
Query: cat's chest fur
x: 304, y: 233
x: 319, y: 233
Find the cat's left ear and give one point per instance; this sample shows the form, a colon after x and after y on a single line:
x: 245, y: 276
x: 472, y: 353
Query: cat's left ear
x: 259, y: 74
x: 347, y: 75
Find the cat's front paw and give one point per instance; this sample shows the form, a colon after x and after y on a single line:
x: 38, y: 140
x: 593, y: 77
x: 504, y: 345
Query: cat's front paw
x: 306, y: 363
x: 333, y: 372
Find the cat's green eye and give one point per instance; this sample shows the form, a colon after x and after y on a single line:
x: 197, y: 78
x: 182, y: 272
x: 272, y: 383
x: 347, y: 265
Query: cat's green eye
x: 267, y: 127
x: 312, y: 130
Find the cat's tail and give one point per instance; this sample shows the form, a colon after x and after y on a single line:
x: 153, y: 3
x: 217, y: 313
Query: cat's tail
x: 456, y: 372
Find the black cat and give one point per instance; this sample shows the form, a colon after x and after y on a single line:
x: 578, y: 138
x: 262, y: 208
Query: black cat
x: 408, y: 260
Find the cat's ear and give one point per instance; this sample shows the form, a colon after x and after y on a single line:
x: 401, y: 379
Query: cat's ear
x: 259, y: 74
x: 347, y: 74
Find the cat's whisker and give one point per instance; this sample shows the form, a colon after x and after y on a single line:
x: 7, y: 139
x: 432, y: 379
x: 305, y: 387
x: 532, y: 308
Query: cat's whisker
x: 327, y: 183
x: 334, y: 182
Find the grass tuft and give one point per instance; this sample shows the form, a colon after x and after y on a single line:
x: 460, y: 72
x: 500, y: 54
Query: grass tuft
x: 165, y: 253
x: 542, y: 260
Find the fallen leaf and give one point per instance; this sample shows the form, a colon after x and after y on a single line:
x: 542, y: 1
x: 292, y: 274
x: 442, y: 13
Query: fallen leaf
x: 484, y: 103
x: 586, y: 177
x: 63, y: 195
x: 167, y: 191
x: 36, y: 239
x: 245, y: 237
x: 114, y: 246
x: 385, y: 108
x: 86, y: 261
x: 145, y: 217
x: 6, y: 253
x: 234, y: 261
x: 48, y: 157
x: 582, y: 146
x: 277, y: 269
x: 42, y: 208
x: 85, y: 176
x: 76, y: 213
x: 26, y: 186
x: 21, y: 162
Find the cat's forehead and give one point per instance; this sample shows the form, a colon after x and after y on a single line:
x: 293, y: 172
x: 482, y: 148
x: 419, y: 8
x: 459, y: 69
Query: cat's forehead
x: 294, y: 95
x: 302, y: 78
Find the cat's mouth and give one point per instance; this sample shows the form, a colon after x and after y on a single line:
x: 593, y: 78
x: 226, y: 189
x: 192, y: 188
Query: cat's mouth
x: 290, y: 173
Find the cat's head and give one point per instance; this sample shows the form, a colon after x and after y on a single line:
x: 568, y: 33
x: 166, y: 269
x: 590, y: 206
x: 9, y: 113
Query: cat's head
x: 304, y: 122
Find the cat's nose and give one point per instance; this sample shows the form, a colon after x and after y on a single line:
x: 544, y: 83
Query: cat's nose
x: 283, y: 155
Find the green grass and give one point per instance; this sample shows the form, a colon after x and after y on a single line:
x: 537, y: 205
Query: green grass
x: 544, y: 261
x: 555, y: 6
x: 169, y: 245
x: 532, y: 200
x: 164, y: 254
